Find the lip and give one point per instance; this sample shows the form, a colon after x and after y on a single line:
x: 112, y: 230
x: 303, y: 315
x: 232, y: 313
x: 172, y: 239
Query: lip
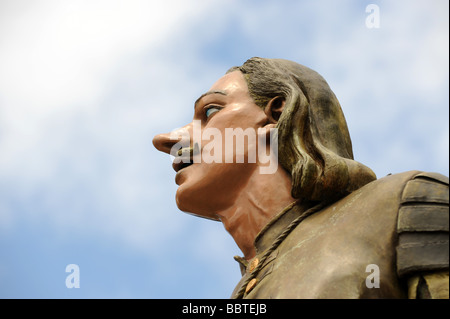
x: 183, y: 159
x: 179, y: 166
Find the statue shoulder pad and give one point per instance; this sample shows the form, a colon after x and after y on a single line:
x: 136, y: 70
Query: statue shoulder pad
x: 423, y: 225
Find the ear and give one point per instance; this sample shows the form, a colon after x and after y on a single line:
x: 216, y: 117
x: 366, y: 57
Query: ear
x: 274, y: 108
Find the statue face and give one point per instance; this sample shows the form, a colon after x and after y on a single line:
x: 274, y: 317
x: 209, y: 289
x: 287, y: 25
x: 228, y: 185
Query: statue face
x: 207, y: 186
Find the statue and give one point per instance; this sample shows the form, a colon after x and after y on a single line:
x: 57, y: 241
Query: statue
x: 319, y: 224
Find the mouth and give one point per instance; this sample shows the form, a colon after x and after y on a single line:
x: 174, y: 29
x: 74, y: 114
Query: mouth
x: 183, y: 159
x: 179, y: 166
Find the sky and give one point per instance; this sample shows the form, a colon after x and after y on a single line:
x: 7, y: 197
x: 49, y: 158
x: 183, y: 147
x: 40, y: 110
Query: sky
x: 86, y: 85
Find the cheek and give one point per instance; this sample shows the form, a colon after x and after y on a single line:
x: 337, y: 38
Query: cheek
x: 229, y: 145
x: 210, y: 188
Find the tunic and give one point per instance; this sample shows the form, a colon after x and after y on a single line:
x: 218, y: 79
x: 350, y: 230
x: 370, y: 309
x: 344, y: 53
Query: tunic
x: 388, y: 239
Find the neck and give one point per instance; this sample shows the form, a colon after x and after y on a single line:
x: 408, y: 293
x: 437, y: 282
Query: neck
x: 262, y: 198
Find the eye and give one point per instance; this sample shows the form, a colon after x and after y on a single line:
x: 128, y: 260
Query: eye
x: 210, y: 110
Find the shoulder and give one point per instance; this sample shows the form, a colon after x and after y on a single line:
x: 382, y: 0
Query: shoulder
x: 394, y: 185
x: 412, y: 187
x: 423, y: 224
x: 426, y: 188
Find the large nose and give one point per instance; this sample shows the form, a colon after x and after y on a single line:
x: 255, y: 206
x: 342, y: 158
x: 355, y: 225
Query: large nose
x: 165, y: 142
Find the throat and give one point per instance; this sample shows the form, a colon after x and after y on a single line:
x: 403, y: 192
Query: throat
x: 241, y: 226
x: 245, y: 220
x: 256, y: 204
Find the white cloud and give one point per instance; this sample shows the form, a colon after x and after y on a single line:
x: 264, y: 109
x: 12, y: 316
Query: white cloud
x: 64, y: 137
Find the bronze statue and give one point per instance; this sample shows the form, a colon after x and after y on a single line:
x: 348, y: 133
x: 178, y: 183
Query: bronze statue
x: 319, y: 225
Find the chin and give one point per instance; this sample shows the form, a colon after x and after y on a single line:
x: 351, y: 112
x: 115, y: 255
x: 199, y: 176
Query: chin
x: 181, y: 201
x: 187, y: 203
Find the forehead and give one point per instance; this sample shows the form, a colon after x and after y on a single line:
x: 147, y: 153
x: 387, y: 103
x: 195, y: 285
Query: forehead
x: 230, y: 83
x: 232, y: 87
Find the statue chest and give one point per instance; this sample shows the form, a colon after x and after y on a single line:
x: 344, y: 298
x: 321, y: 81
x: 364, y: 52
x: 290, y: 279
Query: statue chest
x: 345, y: 251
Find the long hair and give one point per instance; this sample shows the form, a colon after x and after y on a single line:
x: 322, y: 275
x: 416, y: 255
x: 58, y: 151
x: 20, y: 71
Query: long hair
x: 314, y: 144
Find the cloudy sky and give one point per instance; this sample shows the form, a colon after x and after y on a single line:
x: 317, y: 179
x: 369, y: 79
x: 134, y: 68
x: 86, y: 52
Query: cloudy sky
x: 85, y: 85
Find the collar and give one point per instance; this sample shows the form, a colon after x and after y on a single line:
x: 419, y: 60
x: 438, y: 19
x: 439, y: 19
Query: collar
x: 272, y: 230
x: 276, y: 226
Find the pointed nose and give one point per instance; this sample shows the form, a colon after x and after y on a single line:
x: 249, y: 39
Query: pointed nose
x: 163, y: 142
x: 166, y: 142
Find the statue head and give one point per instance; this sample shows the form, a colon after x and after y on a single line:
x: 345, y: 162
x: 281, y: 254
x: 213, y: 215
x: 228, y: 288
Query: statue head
x: 314, y: 145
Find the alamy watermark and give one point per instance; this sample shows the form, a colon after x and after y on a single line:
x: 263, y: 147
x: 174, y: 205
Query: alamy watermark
x: 373, y: 19
x: 236, y: 145
x: 73, y: 279
x: 373, y: 280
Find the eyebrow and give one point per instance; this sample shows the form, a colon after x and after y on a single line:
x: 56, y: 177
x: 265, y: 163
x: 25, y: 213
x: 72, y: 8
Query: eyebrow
x: 209, y: 93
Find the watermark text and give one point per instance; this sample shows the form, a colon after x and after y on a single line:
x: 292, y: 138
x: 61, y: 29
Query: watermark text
x: 234, y: 145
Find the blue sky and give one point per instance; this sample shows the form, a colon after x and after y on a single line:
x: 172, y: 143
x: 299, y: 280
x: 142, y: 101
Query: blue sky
x: 85, y: 85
